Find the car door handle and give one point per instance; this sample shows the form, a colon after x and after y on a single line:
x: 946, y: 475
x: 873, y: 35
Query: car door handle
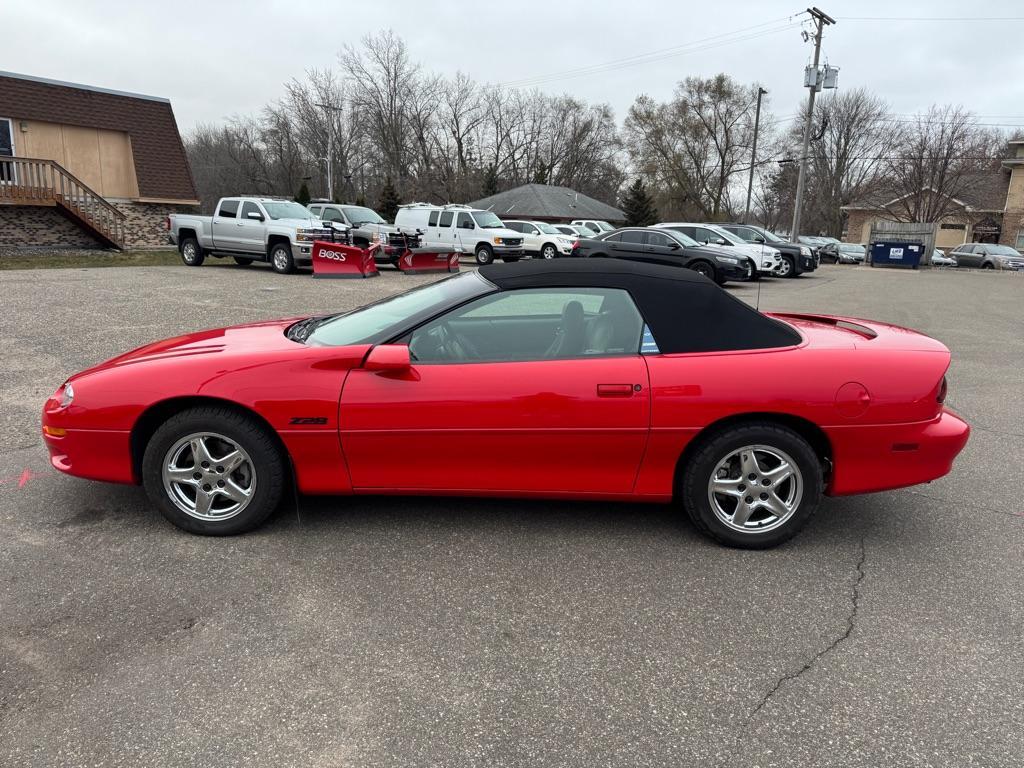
x: 614, y: 390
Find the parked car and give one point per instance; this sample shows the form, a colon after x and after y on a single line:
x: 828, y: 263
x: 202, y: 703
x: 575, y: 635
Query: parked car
x: 667, y: 247
x: 366, y: 225
x: 541, y: 239
x: 568, y: 379
x: 812, y: 242
x: 796, y: 258
x: 940, y: 259
x: 249, y: 229
x: 842, y: 253
x: 461, y: 228
x: 574, y: 231
x: 767, y: 260
x: 988, y: 256
x: 596, y: 226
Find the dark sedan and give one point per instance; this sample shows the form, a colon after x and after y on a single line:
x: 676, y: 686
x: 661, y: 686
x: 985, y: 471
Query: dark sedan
x: 665, y: 246
x: 796, y: 257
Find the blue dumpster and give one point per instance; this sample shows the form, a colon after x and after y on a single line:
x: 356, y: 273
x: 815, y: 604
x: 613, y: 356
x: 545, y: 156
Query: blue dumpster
x: 890, y: 253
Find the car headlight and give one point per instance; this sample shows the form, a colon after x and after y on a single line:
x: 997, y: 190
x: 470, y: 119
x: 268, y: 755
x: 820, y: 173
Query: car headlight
x: 727, y: 259
x: 376, y: 238
x: 498, y: 241
x: 67, y: 395
x: 805, y: 251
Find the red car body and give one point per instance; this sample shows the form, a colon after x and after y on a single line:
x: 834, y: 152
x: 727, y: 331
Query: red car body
x: 868, y: 395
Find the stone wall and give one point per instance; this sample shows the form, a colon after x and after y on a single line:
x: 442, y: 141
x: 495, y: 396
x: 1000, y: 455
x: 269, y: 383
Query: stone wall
x: 40, y: 227
x: 25, y: 227
x: 855, y: 225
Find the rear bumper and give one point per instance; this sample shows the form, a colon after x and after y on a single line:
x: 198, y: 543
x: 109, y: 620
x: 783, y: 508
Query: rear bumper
x: 887, y: 456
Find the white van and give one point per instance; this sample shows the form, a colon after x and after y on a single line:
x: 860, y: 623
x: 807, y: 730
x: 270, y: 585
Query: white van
x: 461, y: 228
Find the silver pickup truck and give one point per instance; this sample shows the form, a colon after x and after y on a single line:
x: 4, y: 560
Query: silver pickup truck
x: 249, y: 229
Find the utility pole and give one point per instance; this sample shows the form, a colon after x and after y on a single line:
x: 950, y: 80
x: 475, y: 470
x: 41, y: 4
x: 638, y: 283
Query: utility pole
x: 328, y: 108
x: 821, y: 20
x: 753, y: 154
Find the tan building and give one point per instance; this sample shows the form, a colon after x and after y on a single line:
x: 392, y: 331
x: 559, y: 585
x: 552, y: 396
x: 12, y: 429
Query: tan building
x: 87, y: 167
x: 989, y: 210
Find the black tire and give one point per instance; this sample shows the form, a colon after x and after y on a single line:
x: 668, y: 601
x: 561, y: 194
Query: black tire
x: 704, y: 268
x: 281, y: 258
x: 484, y: 254
x: 694, y: 484
x: 242, y: 261
x: 266, y: 458
x: 191, y: 252
x: 787, y: 268
x: 988, y: 265
x: 548, y: 251
x: 510, y: 259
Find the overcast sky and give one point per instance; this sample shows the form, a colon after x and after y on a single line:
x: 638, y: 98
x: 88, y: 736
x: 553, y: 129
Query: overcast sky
x: 215, y: 60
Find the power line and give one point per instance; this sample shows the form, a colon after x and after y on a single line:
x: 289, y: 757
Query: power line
x: 725, y: 38
x: 931, y: 18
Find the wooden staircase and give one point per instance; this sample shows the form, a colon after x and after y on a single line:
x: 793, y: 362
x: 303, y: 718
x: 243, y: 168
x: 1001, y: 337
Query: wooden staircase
x: 30, y: 181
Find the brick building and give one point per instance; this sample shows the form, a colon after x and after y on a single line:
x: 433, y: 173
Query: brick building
x: 84, y: 167
x: 990, y: 208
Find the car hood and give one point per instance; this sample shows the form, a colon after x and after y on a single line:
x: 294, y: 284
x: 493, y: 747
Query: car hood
x: 311, y: 223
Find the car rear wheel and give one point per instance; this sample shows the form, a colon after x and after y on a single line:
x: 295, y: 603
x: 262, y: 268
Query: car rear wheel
x: 786, y: 268
x: 242, y: 261
x: 752, y: 485
x: 192, y: 253
x: 213, y: 471
x: 548, y: 251
x: 484, y: 254
x: 281, y: 258
x: 988, y: 265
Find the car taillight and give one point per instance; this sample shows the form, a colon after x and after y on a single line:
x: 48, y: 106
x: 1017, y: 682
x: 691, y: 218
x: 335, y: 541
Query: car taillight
x: 943, y: 388
x: 575, y: 245
x: 167, y: 223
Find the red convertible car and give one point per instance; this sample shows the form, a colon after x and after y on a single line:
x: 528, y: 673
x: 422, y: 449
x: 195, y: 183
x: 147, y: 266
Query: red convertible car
x: 566, y: 379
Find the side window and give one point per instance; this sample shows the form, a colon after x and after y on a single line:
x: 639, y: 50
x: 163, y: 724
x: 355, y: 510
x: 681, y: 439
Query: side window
x: 747, y: 235
x: 515, y: 226
x: 446, y: 219
x: 659, y: 239
x: 633, y: 236
x: 332, y: 214
x: 533, y: 324
x: 706, y: 235
x: 529, y: 229
x: 249, y: 207
x: 616, y: 238
x: 228, y: 209
x: 464, y: 221
x: 432, y: 221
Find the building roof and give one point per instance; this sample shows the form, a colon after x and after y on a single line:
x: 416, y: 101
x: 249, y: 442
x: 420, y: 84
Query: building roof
x: 544, y: 201
x: 161, y: 166
x: 981, y: 191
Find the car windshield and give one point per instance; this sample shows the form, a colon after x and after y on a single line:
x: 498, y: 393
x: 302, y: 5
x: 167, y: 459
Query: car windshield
x: 359, y: 215
x: 729, y: 237
x: 287, y: 210
x: 1001, y: 250
x: 851, y: 248
x: 604, y: 226
x: 547, y: 229
x: 487, y: 220
x: 771, y: 237
x: 682, y: 237
x: 381, y: 320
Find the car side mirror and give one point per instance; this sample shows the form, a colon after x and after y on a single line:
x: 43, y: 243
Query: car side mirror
x: 388, y: 358
x: 759, y: 239
x: 467, y: 225
x: 722, y: 241
x: 255, y: 215
x: 673, y: 246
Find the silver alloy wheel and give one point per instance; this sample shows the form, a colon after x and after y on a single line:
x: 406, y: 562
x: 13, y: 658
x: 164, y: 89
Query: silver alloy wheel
x: 280, y: 259
x: 785, y: 267
x: 756, y: 488
x: 208, y: 476
x: 188, y: 252
x: 548, y: 252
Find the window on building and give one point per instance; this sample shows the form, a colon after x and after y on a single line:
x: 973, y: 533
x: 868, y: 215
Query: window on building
x: 1020, y: 240
x: 952, y: 226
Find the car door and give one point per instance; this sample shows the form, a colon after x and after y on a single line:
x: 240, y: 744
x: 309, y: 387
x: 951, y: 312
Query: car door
x: 538, y: 390
x: 249, y: 229
x: 965, y: 256
x: 662, y: 249
x: 446, y: 236
x: 630, y: 243
x: 224, y: 227
x: 531, y: 238
x: 465, y: 234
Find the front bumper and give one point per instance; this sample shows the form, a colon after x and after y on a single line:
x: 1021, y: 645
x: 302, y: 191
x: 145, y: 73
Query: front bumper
x: 882, y: 457
x: 501, y: 251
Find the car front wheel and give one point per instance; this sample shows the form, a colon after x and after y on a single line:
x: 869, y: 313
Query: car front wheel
x: 213, y: 471
x: 281, y: 259
x: 484, y: 255
x: 786, y: 268
x: 705, y: 269
x: 752, y: 486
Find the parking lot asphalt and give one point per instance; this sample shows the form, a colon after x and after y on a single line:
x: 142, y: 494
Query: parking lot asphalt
x: 406, y: 631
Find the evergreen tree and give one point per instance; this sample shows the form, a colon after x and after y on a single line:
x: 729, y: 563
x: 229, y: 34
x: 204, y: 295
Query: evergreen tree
x: 387, y: 203
x: 541, y: 176
x: 303, y: 197
x: 361, y: 201
x: 638, y: 206
x: 490, y: 180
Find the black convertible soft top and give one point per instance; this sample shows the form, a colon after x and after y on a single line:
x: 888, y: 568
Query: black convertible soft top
x: 686, y: 312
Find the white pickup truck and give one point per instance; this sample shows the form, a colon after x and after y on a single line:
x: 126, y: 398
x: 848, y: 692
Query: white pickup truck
x: 249, y: 229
